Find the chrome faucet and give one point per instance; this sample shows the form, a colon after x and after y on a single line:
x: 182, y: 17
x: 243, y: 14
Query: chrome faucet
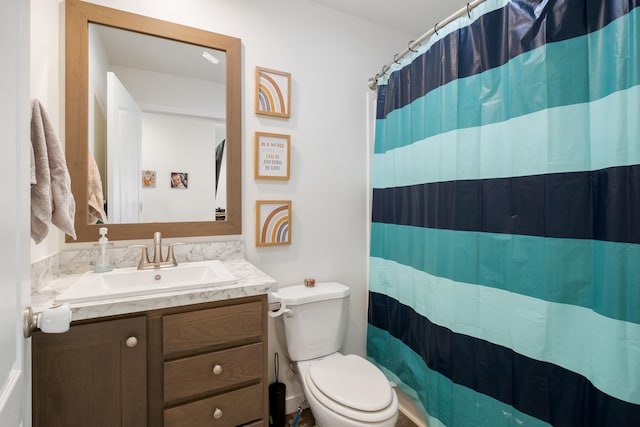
x: 158, y: 260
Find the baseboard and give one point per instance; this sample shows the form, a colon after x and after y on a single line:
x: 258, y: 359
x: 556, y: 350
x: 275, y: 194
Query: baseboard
x: 291, y: 403
x: 408, y: 407
x: 417, y: 420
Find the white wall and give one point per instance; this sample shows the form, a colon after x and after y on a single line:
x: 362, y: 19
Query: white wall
x: 47, y: 85
x: 173, y: 143
x: 330, y: 57
x: 97, y: 104
x: 178, y: 95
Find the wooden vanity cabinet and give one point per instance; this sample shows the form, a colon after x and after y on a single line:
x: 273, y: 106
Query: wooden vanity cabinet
x: 197, y: 365
x: 93, y: 375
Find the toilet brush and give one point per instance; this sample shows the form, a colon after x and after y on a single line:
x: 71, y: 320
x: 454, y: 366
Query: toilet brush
x: 277, y: 393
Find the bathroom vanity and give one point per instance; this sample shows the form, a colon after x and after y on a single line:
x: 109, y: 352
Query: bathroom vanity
x: 197, y: 357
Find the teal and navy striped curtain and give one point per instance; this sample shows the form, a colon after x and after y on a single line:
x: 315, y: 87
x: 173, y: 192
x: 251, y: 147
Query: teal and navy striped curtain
x: 505, y: 236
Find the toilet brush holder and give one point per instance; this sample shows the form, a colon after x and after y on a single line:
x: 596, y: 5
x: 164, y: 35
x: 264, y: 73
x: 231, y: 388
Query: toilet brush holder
x: 277, y: 395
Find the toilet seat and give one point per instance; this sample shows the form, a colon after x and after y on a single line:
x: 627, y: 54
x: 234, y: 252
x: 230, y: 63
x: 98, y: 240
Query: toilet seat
x: 353, y: 387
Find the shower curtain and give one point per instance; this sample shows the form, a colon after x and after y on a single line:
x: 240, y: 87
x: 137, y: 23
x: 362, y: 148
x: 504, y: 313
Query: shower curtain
x: 505, y: 234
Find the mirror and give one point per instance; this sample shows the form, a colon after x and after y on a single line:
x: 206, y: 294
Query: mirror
x: 162, y: 103
x: 190, y: 145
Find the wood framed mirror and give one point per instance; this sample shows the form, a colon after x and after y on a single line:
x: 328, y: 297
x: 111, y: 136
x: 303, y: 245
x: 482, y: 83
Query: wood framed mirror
x: 83, y: 18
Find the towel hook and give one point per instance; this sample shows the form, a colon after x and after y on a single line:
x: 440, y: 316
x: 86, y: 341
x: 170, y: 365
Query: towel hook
x: 409, y: 46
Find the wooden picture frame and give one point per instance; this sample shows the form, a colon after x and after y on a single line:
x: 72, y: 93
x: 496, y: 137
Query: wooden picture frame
x: 272, y: 156
x: 273, y: 222
x: 273, y: 92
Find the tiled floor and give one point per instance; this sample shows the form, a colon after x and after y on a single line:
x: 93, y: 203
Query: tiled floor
x: 306, y: 420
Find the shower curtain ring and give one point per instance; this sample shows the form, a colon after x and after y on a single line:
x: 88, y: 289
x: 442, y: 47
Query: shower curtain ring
x: 468, y: 11
x: 409, y: 46
x: 395, y: 60
x: 435, y: 28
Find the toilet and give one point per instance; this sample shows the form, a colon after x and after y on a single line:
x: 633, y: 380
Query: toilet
x: 343, y: 390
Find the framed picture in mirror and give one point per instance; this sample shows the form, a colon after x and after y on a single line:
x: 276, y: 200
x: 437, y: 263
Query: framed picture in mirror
x: 273, y: 92
x: 148, y: 179
x: 180, y: 180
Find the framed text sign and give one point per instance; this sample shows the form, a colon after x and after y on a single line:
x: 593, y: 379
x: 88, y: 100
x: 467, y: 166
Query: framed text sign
x: 272, y: 156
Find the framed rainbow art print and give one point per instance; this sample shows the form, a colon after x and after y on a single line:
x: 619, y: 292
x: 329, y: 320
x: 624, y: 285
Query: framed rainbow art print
x: 273, y: 222
x: 273, y: 92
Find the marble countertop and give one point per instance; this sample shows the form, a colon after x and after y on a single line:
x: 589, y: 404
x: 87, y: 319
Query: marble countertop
x: 251, y: 281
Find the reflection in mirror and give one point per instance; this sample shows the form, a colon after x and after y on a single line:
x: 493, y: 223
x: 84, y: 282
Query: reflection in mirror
x: 147, y: 100
x: 162, y: 103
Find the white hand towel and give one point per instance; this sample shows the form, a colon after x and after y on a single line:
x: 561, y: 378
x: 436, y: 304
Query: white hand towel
x: 51, y: 197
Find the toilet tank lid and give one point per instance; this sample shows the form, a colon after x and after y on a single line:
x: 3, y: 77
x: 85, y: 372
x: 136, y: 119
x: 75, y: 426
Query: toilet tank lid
x: 301, y: 294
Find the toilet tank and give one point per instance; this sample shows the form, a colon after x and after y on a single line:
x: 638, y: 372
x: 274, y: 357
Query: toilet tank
x: 315, y: 326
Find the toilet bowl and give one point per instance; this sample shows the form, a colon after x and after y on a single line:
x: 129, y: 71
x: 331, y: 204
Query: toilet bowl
x: 342, y: 390
x: 348, y: 391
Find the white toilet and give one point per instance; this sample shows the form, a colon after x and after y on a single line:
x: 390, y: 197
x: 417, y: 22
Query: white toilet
x: 342, y: 390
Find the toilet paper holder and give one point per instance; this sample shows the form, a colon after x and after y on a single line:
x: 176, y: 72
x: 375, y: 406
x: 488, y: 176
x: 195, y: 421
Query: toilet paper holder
x: 53, y: 320
x: 277, y: 307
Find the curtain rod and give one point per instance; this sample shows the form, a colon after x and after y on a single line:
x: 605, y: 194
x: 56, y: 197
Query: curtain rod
x: 373, y: 81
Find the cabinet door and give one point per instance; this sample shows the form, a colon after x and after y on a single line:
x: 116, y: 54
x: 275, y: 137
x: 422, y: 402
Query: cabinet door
x: 93, y: 375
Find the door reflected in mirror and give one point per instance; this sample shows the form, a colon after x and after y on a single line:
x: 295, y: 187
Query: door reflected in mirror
x: 155, y: 106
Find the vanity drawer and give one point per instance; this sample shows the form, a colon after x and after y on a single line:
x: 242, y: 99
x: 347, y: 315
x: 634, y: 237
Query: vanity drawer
x: 212, y: 371
x: 212, y: 327
x: 226, y: 410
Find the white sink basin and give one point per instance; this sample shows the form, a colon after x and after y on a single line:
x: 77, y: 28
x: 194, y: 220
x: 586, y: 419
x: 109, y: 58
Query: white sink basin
x: 124, y: 282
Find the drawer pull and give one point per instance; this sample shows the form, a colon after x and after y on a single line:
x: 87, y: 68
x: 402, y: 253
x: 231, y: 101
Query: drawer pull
x: 217, y: 414
x: 217, y: 370
x: 131, y: 342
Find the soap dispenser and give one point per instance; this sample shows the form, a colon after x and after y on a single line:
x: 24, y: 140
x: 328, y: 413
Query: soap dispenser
x: 102, y: 263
